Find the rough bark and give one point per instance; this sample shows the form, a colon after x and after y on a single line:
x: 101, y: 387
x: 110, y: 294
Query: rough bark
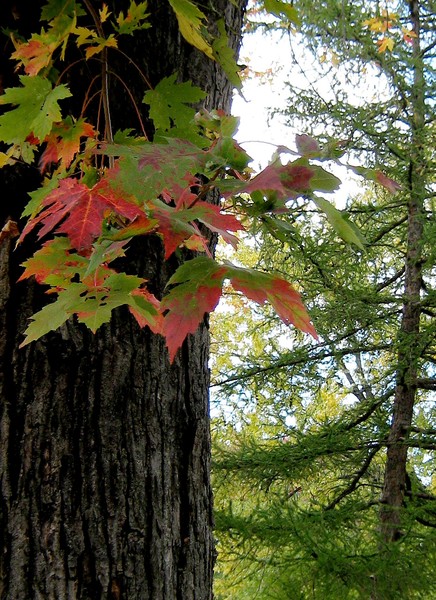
x: 409, y: 339
x: 105, y: 447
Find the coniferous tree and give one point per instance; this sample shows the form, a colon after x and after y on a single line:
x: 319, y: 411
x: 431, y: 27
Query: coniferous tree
x: 334, y: 478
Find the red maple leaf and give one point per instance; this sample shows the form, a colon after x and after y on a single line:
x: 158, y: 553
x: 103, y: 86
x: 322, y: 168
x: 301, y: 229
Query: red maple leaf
x: 263, y: 288
x: 287, y: 180
x: 78, y: 211
x: 296, y: 178
x: 269, y: 179
x: 198, y: 290
x: 187, y: 311
x: 211, y: 216
x: 390, y: 184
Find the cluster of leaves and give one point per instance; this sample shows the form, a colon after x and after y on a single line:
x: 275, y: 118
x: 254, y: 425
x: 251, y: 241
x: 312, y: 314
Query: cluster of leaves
x: 387, y: 26
x: 91, y: 213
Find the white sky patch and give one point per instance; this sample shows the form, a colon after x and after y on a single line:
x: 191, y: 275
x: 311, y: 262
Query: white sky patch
x: 259, y: 134
x: 270, y: 55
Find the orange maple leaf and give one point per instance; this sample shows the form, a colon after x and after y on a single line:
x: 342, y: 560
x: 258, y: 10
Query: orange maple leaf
x: 63, y: 142
x: 386, y: 43
x: 35, y: 55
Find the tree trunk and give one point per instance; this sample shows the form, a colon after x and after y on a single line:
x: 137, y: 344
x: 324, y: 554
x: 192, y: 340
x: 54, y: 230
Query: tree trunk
x: 105, y: 446
x: 409, y: 339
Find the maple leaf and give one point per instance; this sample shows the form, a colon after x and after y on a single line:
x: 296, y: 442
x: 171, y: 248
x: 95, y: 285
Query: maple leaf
x: 190, y: 18
x: 169, y: 102
x: 375, y: 175
x: 386, y: 43
x: 227, y: 152
x: 346, y: 230
x: 135, y: 19
x: 307, y: 145
x: 287, y: 181
x: 104, y: 13
x: 408, y: 35
x: 99, y: 44
x: 54, y: 258
x: 63, y: 142
x: 391, y: 185
x: 147, y: 170
x: 197, y: 290
x: 268, y: 179
x: 320, y: 180
x: 282, y: 9
x: 35, y: 55
x: 176, y: 225
x: 140, y: 226
x: 211, y: 216
x: 262, y: 288
x: 225, y: 55
x: 93, y: 301
x: 48, y: 319
x: 98, y: 302
x: 173, y: 225
x: 146, y: 309
x: 78, y: 211
x: 53, y: 9
x: 37, y: 109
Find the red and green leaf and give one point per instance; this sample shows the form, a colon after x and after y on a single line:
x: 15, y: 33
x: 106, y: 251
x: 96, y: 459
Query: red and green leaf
x: 79, y: 212
x: 196, y: 288
x: 63, y: 142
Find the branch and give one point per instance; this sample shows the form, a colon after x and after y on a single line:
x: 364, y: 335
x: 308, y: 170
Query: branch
x: 426, y: 383
x: 355, y: 479
x: 392, y: 279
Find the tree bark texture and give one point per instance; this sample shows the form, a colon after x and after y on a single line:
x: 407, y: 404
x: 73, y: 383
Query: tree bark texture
x: 104, y: 446
x: 409, y: 339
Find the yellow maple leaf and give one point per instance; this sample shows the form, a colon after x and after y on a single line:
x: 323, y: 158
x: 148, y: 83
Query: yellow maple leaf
x: 190, y: 19
x: 6, y: 159
x: 110, y: 42
x: 83, y: 35
x: 104, y: 13
x: 386, y: 43
x: 375, y: 24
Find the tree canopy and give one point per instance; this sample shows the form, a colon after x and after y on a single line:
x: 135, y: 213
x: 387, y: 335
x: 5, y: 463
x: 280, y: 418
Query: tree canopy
x: 327, y: 448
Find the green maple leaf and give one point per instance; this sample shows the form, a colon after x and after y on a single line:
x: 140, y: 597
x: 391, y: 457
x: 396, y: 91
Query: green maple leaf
x: 282, y: 10
x: 146, y: 170
x: 57, y: 8
x: 96, y: 307
x: 225, y: 55
x: 135, y: 19
x: 169, y: 103
x: 49, y: 318
x: 344, y: 228
x: 36, y: 109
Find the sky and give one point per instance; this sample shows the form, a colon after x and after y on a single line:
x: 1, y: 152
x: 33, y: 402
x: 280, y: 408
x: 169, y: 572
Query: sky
x: 270, y: 55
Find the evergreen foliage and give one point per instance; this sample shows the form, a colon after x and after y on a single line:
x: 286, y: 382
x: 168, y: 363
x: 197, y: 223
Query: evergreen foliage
x: 305, y: 427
